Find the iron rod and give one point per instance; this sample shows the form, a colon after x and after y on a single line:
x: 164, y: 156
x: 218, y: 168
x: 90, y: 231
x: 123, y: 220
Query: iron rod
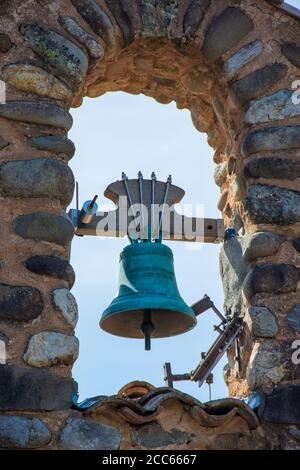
x: 167, y: 186
x: 140, y: 178
x: 125, y: 181
x: 168, y: 375
x: 153, y: 181
x: 93, y: 201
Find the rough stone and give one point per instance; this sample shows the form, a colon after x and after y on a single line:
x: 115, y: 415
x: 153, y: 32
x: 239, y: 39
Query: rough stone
x: 67, y: 58
x: 4, y: 338
x: 157, y: 17
x: 293, y: 318
x: 271, y: 279
x: 271, y: 139
x: 283, y: 405
x: 34, y: 389
x: 120, y: 14
x: 272, y: 167
x: 278, y: 106
x: 295, y: 433
x: 48, y: 348
x: 97, y: 19
x: 233, y: 271
x: 272, y: 205
x: 225, y: 32
x: 261, y: 244
x: 165, y: 82
x: 3, y: 143
x: 220, y: 173
x: 45, y: 226
x: 53, y: 143
x: 198, y: 80
x: 223, y: 200
x: 232, y: 165
x: 202, y: 115
x: 267, y: 365
x: 238, y: 188
x: 37, y: 112
x: 292, y: 52
x: 52, y: 266
x: 20, y: 432
x: 20, y: 303
x: 219, y: 111
x: 33, y: 79
x: 5, y: 43
x: 37, y: 178
x: 194, y: 17
x: 291, y: 446
x: 257, y: 83
x: 237, y: 441
x: 85, y: 434
x: 4, y: 341
x: 296, y: 244
x: 153, y: 436
x: 237, y: 223
x: 66, y: 304
x: 262, y: 322
x: 245, y: 55
x: 94, y: 48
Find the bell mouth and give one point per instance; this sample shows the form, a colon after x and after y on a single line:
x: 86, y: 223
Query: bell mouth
x: 166, y: 323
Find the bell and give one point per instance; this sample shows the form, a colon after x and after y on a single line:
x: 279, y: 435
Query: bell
x: 148, y: 303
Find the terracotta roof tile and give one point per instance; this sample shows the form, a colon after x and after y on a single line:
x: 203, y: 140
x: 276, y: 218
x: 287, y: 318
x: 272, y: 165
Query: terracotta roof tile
x: 147, y: 408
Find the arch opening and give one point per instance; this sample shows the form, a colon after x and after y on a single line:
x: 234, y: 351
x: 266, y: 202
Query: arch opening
x: 137, y: 133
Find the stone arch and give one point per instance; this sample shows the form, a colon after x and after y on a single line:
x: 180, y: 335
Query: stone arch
x: 232, y: 63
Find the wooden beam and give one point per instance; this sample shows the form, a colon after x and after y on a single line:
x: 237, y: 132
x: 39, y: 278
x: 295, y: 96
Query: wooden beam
x: 181, y: 228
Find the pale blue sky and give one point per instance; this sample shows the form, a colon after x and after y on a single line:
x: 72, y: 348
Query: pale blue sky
x: 120, y: 132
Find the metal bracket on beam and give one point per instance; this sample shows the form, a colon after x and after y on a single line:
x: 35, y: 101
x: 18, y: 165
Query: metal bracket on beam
x: 229, y: 330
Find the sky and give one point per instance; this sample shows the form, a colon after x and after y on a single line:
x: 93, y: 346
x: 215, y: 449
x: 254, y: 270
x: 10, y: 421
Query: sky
x: 121, y: 132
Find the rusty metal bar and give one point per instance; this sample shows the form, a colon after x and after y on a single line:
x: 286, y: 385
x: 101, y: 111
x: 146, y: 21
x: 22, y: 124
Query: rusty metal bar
x: 217, y: 350
x: 169, y: 378
x: 205, y: 304
x: 210, y: 359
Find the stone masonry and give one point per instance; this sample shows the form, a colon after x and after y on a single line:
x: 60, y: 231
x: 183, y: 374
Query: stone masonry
x: 233, y: 64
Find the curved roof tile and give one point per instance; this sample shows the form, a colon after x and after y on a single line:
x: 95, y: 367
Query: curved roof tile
x: 146, y: 408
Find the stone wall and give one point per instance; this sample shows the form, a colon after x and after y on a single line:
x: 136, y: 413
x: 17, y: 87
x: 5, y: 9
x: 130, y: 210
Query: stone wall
x: 233, y: 64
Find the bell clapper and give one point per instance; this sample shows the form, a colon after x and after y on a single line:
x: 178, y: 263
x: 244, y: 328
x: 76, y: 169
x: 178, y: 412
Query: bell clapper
x: 147, y: 329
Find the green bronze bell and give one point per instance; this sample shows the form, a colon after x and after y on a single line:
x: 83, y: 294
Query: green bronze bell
x: 148, y: 303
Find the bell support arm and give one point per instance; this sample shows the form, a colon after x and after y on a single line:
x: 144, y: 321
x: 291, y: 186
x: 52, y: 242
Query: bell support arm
x: 210, y: 359
x: 148, y: 205
x: 180, y: 228
x: 229, y: 330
